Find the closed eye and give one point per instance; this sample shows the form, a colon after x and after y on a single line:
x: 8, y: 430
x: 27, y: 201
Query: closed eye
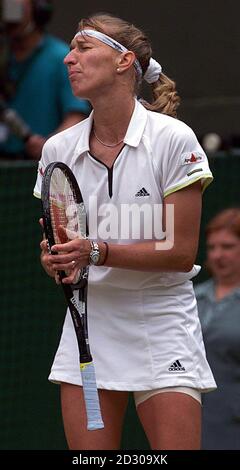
x: 83, y: 47
x: 80, y: 44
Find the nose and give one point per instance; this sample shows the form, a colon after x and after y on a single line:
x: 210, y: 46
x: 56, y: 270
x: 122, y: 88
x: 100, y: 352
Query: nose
x: 216, y: 253
x: 70, y: 58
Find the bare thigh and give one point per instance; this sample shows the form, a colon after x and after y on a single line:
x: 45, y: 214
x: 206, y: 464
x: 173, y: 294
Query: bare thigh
x: 171, y: 420
x: 113, y: 406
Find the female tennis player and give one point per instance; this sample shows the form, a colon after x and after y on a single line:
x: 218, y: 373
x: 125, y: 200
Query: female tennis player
x: 141, y: 172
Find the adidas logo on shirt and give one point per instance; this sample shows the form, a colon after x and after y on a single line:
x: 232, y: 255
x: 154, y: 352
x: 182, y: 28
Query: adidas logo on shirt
x: 176, y: 367
x: 142, y: 192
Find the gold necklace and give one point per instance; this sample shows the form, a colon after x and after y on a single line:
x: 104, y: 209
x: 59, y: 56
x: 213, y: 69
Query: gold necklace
x: 106, y: 145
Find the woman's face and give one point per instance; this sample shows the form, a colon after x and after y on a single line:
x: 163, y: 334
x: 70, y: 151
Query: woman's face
x: 223, y: 254
x: 91, y: 67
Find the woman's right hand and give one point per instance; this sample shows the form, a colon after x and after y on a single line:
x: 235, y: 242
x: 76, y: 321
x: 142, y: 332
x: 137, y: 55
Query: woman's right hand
x: 46, y: 256
x: 45, y: 259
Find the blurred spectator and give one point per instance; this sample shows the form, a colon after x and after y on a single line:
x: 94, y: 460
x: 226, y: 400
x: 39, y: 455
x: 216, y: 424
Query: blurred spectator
x: 219, y: 311
x: 34, y: 81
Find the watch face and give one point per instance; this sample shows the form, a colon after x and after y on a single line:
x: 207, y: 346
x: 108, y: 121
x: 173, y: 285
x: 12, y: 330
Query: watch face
x: 95, y: 257
x: 94, y: 254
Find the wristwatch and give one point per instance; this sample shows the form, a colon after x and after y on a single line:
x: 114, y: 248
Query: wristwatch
x: 94, y: 255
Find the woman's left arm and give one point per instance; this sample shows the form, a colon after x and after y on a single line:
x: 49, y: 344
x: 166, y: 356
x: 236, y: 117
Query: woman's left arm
x: 179, y: 255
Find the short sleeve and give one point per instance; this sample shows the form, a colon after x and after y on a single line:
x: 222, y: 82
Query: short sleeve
x: 43, y: 163
x: 187, y: 163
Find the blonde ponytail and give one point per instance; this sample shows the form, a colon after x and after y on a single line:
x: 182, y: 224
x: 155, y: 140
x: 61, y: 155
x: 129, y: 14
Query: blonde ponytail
x: 166, y: 98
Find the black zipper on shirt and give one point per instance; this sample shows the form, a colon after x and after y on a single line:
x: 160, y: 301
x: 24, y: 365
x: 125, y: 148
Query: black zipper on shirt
x: 109, y: 170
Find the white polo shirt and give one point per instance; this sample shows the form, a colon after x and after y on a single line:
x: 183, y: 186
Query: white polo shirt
x: 144, y: 329
x: 161, y: 155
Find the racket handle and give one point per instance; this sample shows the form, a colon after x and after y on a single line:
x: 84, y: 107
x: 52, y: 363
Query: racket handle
x: 94, y: 416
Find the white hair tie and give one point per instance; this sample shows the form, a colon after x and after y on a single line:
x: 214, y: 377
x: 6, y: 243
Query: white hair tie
x: 153, y: 71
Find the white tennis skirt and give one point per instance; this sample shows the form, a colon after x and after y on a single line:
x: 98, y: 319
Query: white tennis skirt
x: 139, y: 339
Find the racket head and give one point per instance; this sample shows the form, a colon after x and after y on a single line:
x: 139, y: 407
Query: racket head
x: 62, y: 204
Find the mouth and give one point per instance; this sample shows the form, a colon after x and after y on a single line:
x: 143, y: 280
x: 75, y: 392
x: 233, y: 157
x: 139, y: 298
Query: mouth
x: 221, y: 266
x: 73, y: 75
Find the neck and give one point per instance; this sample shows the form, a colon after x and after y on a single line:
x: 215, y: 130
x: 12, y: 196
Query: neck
x: 105, y: 144
x: 111, y: 120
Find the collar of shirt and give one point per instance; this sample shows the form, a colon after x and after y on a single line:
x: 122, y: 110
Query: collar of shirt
x: 133, y: 135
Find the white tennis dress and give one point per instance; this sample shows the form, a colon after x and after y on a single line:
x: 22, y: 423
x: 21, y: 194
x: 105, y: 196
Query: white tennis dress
x: 144, y: 329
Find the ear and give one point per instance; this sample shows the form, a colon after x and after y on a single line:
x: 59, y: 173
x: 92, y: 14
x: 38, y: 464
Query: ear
x: 124, y: 61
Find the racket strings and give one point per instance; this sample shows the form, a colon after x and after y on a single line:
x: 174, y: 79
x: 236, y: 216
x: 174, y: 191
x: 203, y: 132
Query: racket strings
x: 63, y: 209
x: 68, y: 218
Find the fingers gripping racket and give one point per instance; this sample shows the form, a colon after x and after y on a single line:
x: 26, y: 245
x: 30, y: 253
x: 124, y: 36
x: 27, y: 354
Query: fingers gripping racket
x: 63, y: 207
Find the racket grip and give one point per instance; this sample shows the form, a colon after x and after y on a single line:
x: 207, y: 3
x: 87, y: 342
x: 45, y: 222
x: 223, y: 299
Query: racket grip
x: 94, y: 416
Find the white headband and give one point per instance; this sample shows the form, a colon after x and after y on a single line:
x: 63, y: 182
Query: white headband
x: 110, y: 42
x: 154, y: 69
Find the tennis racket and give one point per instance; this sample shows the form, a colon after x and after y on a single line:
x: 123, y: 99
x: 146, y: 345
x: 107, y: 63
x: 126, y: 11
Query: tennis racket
x: 63, y: 207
